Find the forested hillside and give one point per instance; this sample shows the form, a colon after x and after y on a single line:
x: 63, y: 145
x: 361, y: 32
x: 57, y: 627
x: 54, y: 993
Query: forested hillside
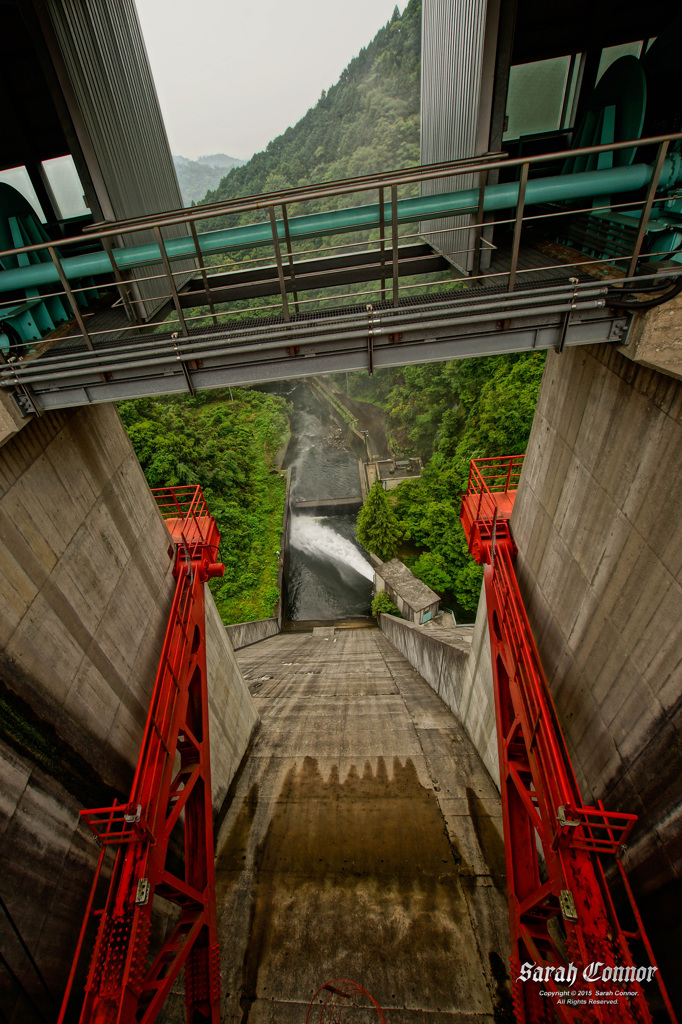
x: 450, y: 413
x: 367, y: 122
x: 226, y: 444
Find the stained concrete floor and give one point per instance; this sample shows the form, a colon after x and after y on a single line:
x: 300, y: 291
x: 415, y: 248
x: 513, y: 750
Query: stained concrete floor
x: 362, y: 841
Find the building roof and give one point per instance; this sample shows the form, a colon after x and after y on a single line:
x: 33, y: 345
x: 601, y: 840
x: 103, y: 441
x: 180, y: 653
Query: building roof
x: 399, y: 578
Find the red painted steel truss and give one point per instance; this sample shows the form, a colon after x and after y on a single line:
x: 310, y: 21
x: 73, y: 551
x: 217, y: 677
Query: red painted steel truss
x: 560, y: 908
x: 170, y: 797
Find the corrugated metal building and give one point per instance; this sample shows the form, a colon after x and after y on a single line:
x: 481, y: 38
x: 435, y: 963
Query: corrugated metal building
x: 90, y: 102
x: 459, y: 48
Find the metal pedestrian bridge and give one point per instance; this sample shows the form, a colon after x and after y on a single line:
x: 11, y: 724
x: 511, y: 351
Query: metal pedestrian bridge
x: 542, y: 252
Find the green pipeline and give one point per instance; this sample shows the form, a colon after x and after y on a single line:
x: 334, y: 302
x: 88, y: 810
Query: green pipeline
x: 582, y: 185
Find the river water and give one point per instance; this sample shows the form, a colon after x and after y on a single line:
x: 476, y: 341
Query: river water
x: 329, y: 575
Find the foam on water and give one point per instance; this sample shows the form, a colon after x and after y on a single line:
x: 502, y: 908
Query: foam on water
x: 309, y: 534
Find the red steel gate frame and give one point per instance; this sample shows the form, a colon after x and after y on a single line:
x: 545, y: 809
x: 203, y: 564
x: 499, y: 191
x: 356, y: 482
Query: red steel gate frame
x: 541, y: 802
x: 121, y: 987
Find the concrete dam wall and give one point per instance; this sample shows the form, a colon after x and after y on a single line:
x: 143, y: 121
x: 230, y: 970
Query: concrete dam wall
x: 362, y: 834
x: 85, y: 587
x: 363, y: 840
x: 597, y: 523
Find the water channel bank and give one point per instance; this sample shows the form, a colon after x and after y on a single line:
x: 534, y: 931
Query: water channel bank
x: 329, y: 575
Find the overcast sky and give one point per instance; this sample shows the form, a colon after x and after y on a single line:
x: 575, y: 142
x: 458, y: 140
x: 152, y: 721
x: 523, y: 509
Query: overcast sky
x: 232, y: 74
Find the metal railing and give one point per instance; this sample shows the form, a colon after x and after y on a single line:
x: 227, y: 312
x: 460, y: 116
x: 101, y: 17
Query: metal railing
x: 185, y: 510
x: 386, y: 186
x: 540, y: 278
x: 489, y: 478
x: 184, y: 502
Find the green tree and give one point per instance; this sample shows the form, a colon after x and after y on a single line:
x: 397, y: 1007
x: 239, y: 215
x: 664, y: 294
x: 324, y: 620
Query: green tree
x: 382, y: 604
x: 451, y: 413
x: 378, y: 528
x: 432, y: 570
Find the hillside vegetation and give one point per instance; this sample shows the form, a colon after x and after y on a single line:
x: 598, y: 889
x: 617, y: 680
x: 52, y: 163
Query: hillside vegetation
x: 196, y: 177
x: 450, y: 413
x: 367, y: 122
x: 227, y: 446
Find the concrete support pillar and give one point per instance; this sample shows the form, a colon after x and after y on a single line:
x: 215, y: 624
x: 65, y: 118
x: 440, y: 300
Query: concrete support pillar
x: 597, y: 523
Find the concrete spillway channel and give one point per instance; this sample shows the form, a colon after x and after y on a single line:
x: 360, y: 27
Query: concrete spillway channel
x: 362, y: 840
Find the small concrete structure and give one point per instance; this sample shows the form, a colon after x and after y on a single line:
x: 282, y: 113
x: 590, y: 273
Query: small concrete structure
x: 414, y: 600
x: 11, y: 420
x: 392, y: 472
x: 654, y: 339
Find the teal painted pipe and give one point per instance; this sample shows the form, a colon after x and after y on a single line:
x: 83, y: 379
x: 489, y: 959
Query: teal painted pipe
x: 582, y: 185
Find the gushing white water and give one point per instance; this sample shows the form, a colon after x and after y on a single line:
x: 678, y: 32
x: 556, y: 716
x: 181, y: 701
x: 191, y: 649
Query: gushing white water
x: 310, y: 535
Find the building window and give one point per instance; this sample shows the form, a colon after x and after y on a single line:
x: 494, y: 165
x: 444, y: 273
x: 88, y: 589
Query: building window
x: 66, y: 186
x: 610, y: 54
x: 540, y: 95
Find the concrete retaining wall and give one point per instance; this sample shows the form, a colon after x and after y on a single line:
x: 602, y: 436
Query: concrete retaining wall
x: 47, y: 871
x: 242, y: 634
x: 85, y: 583
x: 597, y: 522
x: 342, y: 416
x: 85, y: 588
x: 232, y: 712
x: 462, y: 678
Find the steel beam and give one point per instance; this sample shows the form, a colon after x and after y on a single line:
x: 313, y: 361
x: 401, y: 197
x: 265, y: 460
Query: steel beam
x: 418, y: 345
x: 307, y: 275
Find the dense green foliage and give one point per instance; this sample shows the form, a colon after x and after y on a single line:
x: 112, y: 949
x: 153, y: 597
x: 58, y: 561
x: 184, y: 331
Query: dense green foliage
x: 382, y: 604
x: 451, y: 413
x: 367, y: 122
x: 415, y: 398
x: 378, y: 529
x: 227, y: 447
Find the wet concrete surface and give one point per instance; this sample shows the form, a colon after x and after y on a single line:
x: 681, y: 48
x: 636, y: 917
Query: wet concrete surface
x: 362, y: 841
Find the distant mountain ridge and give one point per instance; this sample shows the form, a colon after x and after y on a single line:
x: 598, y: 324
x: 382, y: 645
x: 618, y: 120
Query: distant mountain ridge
x: 197, y: 177
x: 220, y: 160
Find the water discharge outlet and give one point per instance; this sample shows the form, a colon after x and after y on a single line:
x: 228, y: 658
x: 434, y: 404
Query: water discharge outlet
x: 313, y: 537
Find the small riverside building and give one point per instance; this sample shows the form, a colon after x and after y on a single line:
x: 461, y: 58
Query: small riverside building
x: 414, y: 600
